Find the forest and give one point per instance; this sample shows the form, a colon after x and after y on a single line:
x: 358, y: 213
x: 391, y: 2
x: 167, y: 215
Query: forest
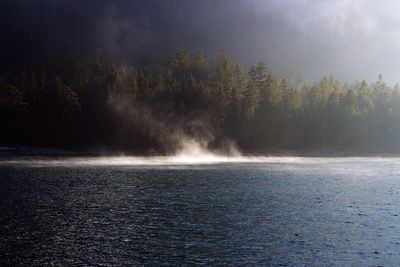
x: 147, y: 108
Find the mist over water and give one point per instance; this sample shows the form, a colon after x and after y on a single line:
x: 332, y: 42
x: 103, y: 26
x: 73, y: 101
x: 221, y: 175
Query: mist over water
x: 159, y: 175
x: 179, y: 159
x: 182, y: 159
x: 190, y: 152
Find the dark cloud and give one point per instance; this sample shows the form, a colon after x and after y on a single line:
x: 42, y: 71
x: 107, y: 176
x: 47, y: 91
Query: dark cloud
x: 349, y: 39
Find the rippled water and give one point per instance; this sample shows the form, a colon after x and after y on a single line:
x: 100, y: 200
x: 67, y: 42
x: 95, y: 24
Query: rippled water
x: 283, y: 212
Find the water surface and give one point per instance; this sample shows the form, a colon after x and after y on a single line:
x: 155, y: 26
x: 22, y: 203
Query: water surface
x: 275, y: 211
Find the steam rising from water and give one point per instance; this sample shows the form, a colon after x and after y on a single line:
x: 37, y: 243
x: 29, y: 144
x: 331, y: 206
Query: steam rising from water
x: 335, y: 164
x: 190, y: 153
x: 147, y: 161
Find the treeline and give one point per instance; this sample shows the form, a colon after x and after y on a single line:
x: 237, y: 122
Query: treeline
x: 91, y: 106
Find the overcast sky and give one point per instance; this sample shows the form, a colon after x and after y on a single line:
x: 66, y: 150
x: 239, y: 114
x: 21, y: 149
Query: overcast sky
x: 351, y: 39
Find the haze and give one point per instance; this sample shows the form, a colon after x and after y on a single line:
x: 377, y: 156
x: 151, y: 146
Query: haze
x: 304, y: 39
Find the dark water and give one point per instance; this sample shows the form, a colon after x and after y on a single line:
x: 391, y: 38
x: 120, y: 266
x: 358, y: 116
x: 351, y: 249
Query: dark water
x: 319, y: 212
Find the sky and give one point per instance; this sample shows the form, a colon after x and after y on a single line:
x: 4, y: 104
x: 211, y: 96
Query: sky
x: 357, y: 39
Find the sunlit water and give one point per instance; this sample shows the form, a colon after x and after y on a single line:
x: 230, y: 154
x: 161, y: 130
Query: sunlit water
x: 227, y: 211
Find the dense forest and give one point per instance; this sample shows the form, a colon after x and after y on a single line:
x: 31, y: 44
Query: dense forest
x: 120, y: 107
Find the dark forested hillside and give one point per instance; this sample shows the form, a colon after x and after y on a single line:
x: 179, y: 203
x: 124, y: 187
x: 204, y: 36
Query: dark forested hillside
x: 141, y: 109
